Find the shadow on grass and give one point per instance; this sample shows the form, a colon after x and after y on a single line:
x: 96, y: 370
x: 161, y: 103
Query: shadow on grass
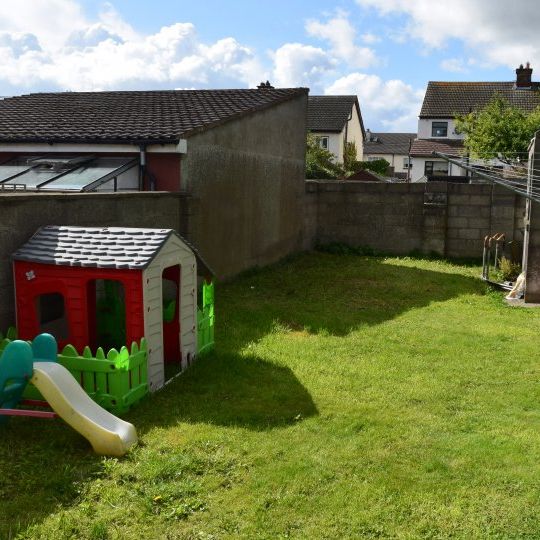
x: 316, y: 292
x: 230, y: 390
x: 44, y: 465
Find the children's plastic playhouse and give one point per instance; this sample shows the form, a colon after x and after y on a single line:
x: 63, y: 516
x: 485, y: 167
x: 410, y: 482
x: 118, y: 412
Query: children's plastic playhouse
x: 109, y: 287
x: 101, y: 289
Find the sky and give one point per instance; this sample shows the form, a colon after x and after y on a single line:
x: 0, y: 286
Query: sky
x: 384, y: 51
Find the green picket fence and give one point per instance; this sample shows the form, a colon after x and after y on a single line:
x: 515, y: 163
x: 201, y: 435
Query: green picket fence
x: 205, y: 320
x: 115, y: 381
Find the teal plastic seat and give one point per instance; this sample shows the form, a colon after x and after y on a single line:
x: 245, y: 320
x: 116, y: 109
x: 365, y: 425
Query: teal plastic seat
x: 45, y: 348
x: 16, y: 368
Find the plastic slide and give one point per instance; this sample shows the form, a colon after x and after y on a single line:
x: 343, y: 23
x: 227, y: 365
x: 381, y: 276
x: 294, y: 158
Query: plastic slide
x: 107, y: 434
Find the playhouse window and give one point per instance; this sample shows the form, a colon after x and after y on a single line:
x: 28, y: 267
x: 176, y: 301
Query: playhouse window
x: 169, y: 288
x: 107, y: 301
x: 51, y: 315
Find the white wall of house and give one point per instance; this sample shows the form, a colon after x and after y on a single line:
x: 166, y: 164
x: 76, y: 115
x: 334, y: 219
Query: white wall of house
x: 425, y: 128
x: 397, y: 161
x: 419, y: 165
x: 335, y: 143
x: 355, y: 135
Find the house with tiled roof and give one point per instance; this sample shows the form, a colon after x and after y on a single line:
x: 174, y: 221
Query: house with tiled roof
x: 393, y: 147
x: 234, y: 159
x: 336, y: 120
x: 135, y: 140
x: 446, y: 100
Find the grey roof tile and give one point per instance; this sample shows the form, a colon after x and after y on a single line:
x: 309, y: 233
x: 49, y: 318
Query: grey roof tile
x: 389, y: 143
x: 425, y: 147
x: 446, y: 99
x: 101, y: 248
x: 138, y: 116
x: 330, y: 113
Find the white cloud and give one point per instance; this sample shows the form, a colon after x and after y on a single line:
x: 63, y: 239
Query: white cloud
x: 455, y: 65
x: 501, y: 34
x: 341, y: 35
x: 51, y: 22
x: 370, y: 38
x: 301, y: 65
x: 108, y: 54
x: 393, y: 104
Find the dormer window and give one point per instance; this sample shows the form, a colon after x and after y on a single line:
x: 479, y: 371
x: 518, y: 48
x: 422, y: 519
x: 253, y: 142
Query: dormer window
x: 439, y: 129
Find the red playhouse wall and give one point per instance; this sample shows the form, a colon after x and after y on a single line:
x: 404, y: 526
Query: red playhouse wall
x: 73, y: 283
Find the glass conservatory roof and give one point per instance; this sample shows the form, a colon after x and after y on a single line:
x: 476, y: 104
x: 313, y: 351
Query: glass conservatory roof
x: 62, y: 173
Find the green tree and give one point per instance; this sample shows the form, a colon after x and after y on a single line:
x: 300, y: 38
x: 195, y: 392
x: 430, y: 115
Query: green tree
x: 498, y: 128
x: 320, y: 162
x: 379, y: 166
x: 349, y: 156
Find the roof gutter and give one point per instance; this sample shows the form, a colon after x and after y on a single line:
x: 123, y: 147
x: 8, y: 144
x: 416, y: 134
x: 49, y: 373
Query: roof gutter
x: 178, y: 147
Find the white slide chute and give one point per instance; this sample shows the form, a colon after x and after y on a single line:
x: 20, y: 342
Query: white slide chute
x: 108, y: 435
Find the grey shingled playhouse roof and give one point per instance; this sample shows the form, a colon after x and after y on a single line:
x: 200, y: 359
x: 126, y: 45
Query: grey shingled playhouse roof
x: 330, y: 113
x: 446, y: 99
x: 134, y: 117
x: 99, y: 247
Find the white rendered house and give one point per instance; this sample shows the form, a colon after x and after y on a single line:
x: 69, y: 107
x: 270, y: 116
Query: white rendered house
x: 335, y: 121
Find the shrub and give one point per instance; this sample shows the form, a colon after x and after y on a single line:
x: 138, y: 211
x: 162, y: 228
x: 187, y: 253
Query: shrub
x: 509, y: 270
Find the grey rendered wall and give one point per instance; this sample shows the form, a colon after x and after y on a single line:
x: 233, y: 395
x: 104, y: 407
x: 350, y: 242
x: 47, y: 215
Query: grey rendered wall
x: 21, y: 215
x: 449, y: 219
x: 246, y: 179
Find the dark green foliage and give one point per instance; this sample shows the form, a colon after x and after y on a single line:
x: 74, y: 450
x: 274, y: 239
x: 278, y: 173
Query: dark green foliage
x: 498, y: 128
x: 349, y: 157
x: 379, y: 166
x: 508, y: 269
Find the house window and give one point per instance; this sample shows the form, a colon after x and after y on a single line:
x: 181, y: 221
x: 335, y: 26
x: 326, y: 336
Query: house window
x: 436, y: 168
x: 51, y: 315
x: 407, y: 164
x: 439, y: 129
x: 323, y: 142
x: 373, y: 158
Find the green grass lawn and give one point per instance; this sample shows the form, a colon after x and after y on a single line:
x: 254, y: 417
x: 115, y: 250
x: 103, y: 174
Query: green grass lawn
x: 349, y: 397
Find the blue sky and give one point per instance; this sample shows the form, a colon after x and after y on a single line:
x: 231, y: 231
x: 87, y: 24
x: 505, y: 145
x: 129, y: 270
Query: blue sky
x: 385, y: 51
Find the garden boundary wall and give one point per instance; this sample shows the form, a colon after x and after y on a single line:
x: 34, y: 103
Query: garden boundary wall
x: 446, y: 219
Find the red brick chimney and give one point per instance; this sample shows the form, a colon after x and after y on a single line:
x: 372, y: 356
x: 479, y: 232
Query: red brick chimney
x: 524, y: 76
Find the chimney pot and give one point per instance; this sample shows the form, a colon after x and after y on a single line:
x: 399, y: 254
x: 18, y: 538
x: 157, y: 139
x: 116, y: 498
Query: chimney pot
x: 524, y: 76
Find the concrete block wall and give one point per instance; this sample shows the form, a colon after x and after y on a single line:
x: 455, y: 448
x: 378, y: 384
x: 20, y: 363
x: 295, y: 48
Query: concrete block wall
x: 384, y: 216
x: 438, y: 217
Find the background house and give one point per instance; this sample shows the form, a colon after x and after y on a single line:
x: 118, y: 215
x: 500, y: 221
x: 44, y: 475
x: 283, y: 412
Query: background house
x: 336, y: 120
x: 444, y: 101
x: 393, y: 147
